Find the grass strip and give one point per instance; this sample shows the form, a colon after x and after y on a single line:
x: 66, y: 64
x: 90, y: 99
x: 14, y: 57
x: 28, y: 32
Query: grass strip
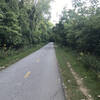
x: 17, y: 55
x: 73, y: 92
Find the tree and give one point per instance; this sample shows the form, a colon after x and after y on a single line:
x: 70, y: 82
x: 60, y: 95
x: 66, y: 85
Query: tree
x: 79, y: 27
x: 23, y: 22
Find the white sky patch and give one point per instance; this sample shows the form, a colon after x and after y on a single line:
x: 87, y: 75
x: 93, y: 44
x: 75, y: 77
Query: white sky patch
x: 57, y: 7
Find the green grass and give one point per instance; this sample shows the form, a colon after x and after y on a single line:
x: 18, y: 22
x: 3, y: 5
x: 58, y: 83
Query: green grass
x: 73, y: 92
x: 17, y: 55
x: 66, y: 54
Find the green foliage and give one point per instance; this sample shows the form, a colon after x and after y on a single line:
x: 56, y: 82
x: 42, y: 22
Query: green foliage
x: 13, y: 5
x: 91, y: 62
x: 9, y: 30
x: 23, y: 23
x: 80, y: 27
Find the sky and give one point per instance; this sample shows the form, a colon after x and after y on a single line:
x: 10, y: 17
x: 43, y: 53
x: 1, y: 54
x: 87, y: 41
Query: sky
x: 57, y: 7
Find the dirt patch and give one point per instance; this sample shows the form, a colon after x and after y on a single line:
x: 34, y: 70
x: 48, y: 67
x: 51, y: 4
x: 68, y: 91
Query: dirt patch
x: 79, y: 81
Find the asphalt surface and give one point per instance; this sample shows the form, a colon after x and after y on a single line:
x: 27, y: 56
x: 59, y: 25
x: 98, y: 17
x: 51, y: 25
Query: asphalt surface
x: 36, y: 77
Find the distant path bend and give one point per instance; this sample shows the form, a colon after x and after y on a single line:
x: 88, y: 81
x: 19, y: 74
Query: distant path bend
x: 35, y: 77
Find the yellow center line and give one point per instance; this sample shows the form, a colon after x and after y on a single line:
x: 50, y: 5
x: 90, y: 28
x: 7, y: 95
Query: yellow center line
x: 38, y: 60
x: 27, y: 74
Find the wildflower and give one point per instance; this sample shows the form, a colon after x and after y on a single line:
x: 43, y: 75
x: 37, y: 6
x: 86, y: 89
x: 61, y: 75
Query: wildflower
x: 69, y: 81
x: 89, y: 96
x: 81, y: 54
x: 4, y: 45
x: 98, y: 96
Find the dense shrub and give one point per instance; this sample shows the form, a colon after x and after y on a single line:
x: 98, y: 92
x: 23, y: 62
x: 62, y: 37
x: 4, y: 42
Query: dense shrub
x: 91, y: 63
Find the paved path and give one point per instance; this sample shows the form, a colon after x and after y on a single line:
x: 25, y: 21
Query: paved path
x: 35, y: 77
